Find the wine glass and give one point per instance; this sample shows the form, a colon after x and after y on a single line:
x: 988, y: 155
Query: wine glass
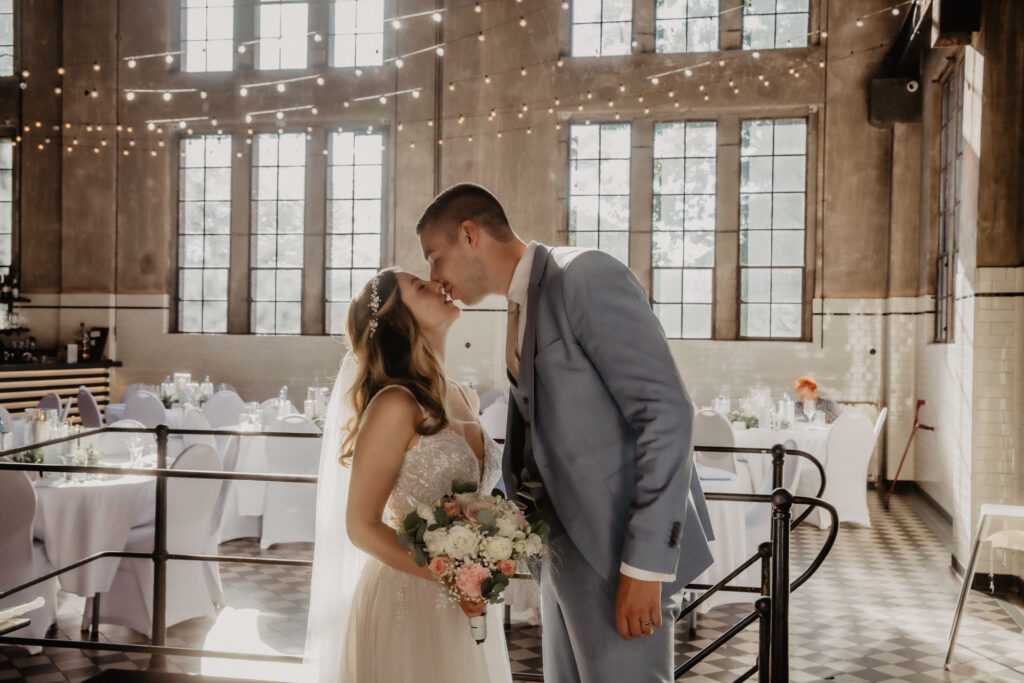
x: 809, y: 408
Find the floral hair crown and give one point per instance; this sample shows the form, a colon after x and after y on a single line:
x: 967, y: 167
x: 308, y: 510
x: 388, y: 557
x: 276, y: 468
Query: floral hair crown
x: 374, y: 305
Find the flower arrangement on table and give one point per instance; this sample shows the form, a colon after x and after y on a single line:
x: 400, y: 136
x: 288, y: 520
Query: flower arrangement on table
x: 751, y: 421
x: 472, y: 543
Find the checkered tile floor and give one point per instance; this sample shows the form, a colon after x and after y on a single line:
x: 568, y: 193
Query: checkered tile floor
x: 879, y: 609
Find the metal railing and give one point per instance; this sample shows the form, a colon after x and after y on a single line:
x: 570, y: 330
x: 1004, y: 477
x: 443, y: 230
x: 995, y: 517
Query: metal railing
x: 771, y: 609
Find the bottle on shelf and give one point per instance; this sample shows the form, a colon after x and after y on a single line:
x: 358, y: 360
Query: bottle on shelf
x: 12, y: 279
x: 82, y: 339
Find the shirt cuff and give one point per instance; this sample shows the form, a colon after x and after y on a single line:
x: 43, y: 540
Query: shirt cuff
x: 644, y: 575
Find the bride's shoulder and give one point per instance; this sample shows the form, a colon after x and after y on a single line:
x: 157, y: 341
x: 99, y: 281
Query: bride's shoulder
x: 393, y: 405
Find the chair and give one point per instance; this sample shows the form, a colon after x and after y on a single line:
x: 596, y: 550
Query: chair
x: 190, y: 526
x: 289, y: 510
x: 195, y: 419
x: 224, y: 386
x: 880, y: 422
x: 847, y: 454
x: 8, y: 421
x: 51, y: 402
x: 711, y: 429
x: 24, y: 558
x: 494, y: 419
x: 88, y: 409
x: 223, y: 409
x: 114, y: 445
x: 270, y: 412
x: 133, y: 389
x: 147, y: 408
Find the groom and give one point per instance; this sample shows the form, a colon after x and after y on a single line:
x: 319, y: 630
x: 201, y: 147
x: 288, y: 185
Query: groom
x: 599, y: 416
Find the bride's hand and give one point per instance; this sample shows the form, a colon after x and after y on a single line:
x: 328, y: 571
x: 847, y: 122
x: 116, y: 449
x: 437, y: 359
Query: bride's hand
x: 473, y: 608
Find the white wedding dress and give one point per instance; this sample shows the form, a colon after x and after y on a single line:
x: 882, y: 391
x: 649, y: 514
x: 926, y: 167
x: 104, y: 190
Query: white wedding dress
x: 404, y: 629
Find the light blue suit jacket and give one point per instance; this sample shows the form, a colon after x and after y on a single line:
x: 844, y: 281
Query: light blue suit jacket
x: 610, y: 422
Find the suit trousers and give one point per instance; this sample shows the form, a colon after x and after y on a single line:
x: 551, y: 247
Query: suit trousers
x: 579, y: 637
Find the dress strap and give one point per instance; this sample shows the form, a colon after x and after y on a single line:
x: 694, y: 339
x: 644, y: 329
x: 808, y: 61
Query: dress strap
x: 385, y: 388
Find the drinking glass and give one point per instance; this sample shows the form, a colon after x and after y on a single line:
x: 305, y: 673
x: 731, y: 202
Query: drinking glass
x: 809, y: 407
x: 309, y: 408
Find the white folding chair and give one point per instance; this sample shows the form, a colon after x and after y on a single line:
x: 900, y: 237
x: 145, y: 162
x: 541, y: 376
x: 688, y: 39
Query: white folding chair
x: 190, y: 526
x: 289, y: 510
x: 848, y: 452
x: 24, y: 558
x: 88, y: 409
x: 135, y: 388
x: 711, y: 429
x: 880, y: 422
x: 146, y: 408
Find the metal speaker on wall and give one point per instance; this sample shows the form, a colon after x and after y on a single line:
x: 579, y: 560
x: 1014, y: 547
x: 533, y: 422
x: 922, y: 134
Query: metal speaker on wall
x: 894, y: 100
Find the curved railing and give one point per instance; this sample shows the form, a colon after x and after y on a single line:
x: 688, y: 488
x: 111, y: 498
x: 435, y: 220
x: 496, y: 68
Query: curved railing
x: 771, y: 609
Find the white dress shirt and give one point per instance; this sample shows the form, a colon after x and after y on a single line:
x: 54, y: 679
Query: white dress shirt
x: 518, y: 291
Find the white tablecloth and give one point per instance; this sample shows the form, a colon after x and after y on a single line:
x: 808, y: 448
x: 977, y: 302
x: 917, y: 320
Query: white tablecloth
x: 809, y: 439
x: 76, y: 519
x: 729, y: 549
x: 249, y: 455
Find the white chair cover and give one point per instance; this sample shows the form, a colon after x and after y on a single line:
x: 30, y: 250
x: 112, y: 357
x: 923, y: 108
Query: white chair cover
x: 289, y: 510
x: 223, y: 409
x: 5, y: 415
x: 146, y: 408
x: 88, y: 409
x: 880, y: 422
x: 494, y: 418
x: 711, y: 429
x: 232, y: 524
x: 51, y: 401
x: 190, y: 526
x: 114, y: 445
x: 133, y: 389
x: 849, y: 446
x: 23, y: 558
x: 195, y: 419
x: 490, y: 396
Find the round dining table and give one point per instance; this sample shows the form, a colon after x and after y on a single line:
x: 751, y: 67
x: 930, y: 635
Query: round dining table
x: 808, y: 438
x: 75, y: 519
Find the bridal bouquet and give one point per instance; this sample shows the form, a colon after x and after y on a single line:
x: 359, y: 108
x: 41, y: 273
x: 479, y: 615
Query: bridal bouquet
x: 472, y: 543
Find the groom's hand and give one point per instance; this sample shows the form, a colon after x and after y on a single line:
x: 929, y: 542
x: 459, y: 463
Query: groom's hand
x: 637, y: 607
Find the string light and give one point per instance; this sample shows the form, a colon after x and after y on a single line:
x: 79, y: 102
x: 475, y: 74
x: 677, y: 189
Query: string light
x: 131, y: 63
x: 522, y: 21
x: 280, y: 87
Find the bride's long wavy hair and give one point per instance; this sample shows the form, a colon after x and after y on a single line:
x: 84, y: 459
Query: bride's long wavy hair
x: 397, y: 352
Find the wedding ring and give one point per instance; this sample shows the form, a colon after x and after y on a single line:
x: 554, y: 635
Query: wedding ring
x: 646, y: 623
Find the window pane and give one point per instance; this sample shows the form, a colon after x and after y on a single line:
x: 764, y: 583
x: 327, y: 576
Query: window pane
x: 357, y: 37
x: 283, y: 34
x: 204, y: 224
x: 599, y: 187
x: 772, y: 227
x: 683, y: 242
x: 208, y: 33
x: 682, y: 26
x: 769, y: 24
x: 601, y: 27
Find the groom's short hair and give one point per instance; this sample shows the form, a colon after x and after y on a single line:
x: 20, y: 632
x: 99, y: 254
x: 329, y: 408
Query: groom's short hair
x: 466, y: 202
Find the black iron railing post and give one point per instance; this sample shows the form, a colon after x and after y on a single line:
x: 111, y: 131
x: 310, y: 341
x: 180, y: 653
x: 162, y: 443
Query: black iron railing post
x: 763, y: 607
x: 778, y: 465
x: 782, y: 505
x: 159, y: 635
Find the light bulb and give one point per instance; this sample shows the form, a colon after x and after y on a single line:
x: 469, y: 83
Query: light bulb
x: 203, y: 95
x: 319, y: 80
x: 477, y: 8
x: 824, y: 34
x: 487, y: 79
x: 622, y: 87
x: 96, y: 93
x: 181, y: 124
x: 95, y: 66
x: 416, y: 94
x: 151, y: 126
x: 860, y: 22
x: 131, y: 63
x: 241, y: 49
x: 383, y: 100
x: 451, y: 85
x: 248, y: 118
x: 279, y: 115
x: 317, y: 38
x: 243, y: 92
x: 655, y: 80
x: 169, y: 59
x: 688, y: 72
x: 396, y: 24
x: 755, y: 54
x: 440, y: 52
x: 61, y: 71
x: 481, y: 37
x: 167, y: 96
x: 57, y: 90
x: 280, y: 87
x: 314, y: 111
x: 399, y: 63
x: 522, y: 21
x: 436, y: 16
x: 895, y: 11
x: 522, y: 71
x: 25, y: 73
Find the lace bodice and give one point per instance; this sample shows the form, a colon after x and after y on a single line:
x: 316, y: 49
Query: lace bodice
x: 432, y: 464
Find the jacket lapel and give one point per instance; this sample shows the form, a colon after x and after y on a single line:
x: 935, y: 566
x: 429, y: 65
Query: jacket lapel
x: 526, y: 367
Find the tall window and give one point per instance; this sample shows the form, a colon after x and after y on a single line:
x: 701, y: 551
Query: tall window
x: 950, y: 160
x: 773, y: 161
x: 686, y: 25
x: 355, y: 182
x: 357, y: 33
x: 277, y: 243
x: 683, y: 244
x: 601, y: 28
x: 599, y: 187
x: 204, y: 233
x: 283, y: 29
x: 208, y: 30
x: 769, y: 24
x: 6, y: 37
x: 6, y: 202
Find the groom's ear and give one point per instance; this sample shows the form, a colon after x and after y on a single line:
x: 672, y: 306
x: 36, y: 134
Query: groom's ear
x: 469, y: 233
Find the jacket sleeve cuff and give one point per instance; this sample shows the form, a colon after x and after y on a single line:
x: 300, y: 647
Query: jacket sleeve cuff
x: 644, y: 575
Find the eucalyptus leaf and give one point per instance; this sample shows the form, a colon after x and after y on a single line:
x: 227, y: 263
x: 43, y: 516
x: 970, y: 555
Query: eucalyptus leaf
x: 486, y: 518
x: 412, y: 520
x: 441, y: 518
x: 463, y: 487
x: 527, y: 496
x: 497, y: 493
x: 417, y: 554
x: 533, y: 484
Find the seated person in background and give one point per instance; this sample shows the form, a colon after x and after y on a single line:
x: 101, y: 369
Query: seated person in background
x: 807, y: 390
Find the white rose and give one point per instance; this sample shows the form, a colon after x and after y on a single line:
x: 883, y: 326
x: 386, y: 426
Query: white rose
x: 435, y: 541
x: 507, y: 527
x: 464, y: 499
x: 534, y: 544
x: 519, y: 546
x: 499, y: 548
x: 425, y: 512
x: 461, y: 542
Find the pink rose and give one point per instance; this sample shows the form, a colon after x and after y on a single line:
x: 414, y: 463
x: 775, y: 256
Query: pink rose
x: 473, y: 509
x: 521, y: 519
x: 452, y: 509
x: 469, y: 577
x: 507, y: 567
x: 440, y: 565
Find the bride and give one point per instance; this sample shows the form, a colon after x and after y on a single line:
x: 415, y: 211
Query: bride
x: 398, y: 432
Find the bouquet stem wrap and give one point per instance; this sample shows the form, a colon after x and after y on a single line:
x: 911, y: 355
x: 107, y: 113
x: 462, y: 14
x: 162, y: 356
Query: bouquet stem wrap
x: 478, y: 627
